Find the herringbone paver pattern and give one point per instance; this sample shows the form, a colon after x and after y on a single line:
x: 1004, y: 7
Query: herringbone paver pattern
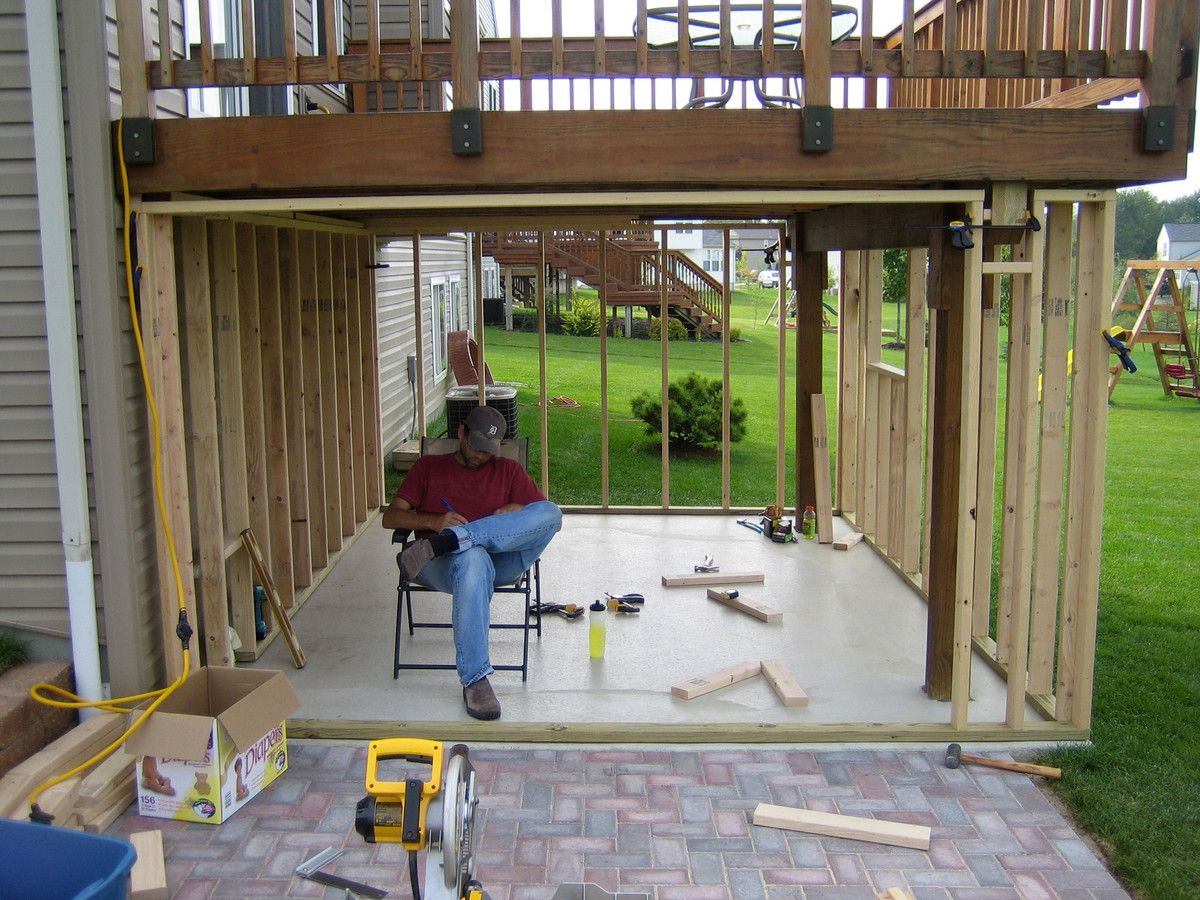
x: 673, y: 823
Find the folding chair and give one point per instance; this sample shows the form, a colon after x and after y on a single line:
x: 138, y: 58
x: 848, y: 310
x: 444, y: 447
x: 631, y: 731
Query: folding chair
x: 528, y: 585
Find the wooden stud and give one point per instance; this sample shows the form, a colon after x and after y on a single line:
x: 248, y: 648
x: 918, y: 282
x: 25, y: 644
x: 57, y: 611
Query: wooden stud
x: 68, y: 751
x: 293, y: 404
x: 712, y: 681
x: 203, y: 438
x: 877, y: 831
x: 780, y: 373
x: 1089, y: 418
x: 755, y: 608
x: 602, y: 238
x: 694, y: 578
x: 160, y: 334
x: 898, y: 516
x: 368, y: 317
x: 274, y: 424
x: 340, y: 359
x: 849, y: 384
x: 726, y: 386
x: 354, y: 339
x: 784, y: 683
x: 309, y: 350
x: 329, y: 394
x: 989, y: 368
x: 1043, y: 625
x: 232, y: 444
x: 881, y: 492
x: 664, y: 445
x: 543, y: 400
x: 148, y: 877
x: 914, y: 369
x: 419, y: 329
x: 868, y: 469
x: 820, y: 452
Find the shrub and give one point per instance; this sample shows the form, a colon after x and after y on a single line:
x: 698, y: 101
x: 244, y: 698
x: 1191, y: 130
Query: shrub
x: 676, y: 330
x: 735, y: 334
x: 13, y: 651
x: 582, y: 319
x: 695, y: 412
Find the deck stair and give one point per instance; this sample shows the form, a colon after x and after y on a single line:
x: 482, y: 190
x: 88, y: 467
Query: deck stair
x: 633, y: 264
x: 1161, y: 321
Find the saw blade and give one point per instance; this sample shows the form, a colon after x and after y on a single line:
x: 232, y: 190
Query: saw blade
x: 458, y: 815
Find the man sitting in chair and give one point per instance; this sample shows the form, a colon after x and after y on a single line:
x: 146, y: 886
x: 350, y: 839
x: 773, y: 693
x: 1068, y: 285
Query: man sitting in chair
x: 480, y: 521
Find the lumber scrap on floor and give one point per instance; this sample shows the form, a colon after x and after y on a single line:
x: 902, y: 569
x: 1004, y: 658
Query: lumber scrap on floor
x: 784, y: 683
x: 148, y: 878
x: 877, y: 831
x: 751, y: 607
x: 693, y: 578
x: 704, y: 684
x: 846, y: 541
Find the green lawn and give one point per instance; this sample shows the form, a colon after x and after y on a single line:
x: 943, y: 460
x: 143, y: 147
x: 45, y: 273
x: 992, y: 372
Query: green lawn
x: 1137, y: 789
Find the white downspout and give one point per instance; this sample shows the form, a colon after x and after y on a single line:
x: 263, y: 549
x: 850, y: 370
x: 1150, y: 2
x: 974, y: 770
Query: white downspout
x: 45, y: 89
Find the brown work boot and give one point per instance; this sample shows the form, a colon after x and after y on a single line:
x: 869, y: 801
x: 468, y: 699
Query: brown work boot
x: 481, y: 700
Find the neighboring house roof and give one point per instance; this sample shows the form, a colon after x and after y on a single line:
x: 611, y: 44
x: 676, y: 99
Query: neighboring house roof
x: 712, y: 238
x: 1182, y: 231
x: 754, y: 237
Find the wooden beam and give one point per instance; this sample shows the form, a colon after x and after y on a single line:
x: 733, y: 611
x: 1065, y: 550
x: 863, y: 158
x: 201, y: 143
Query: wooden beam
x: 339, y: 362
x: 357, y: 390
x: 808, y: 276
x: 234, y: 486
x: 329, y: 395
x: 1089, y: 94
x: 712, y: 681
x: 160, y: 333
x: 293, y: 404
x: 314, y: 439
x: 336, y: 153
x: 202, y: 436
x: 914, y: 392
x: 368, y: 317
x: 694, y: 578
x: 946, y: 302
x: 877, y: 831
x: 758, y: 610
x: 820, y: 451
x: 857, y: 227
x: 849, y: 384
x: 270, y: 348
x: 784, y: 683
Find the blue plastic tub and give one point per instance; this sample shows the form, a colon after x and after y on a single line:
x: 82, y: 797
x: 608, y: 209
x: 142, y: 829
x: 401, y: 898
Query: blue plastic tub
x: 41, y: 862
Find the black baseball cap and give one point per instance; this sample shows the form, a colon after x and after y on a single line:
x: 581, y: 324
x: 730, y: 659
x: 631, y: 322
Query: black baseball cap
x: 485, y: 427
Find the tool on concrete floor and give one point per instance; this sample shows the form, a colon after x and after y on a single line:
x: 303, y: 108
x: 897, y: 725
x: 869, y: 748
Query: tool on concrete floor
x: 591, y: 891
x: 618, y: 606
x: 955, y: 756
x: 311, y: 869
x: 569, y: 611
x: 437, y: 815
x: 724, y: 595
x: 709, y: 565
x: 626, y: 598
x: 778, y: 530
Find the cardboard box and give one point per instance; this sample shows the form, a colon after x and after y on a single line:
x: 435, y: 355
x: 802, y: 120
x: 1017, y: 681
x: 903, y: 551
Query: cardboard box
x: 213, y: 744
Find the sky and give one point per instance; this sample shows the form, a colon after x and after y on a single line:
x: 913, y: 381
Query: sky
x: 578, y: 19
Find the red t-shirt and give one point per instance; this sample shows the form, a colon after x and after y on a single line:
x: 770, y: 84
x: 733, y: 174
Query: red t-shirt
x: 474, y: 493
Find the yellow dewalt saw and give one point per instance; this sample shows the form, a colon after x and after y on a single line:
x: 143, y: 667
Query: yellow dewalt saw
x: 437, y: 815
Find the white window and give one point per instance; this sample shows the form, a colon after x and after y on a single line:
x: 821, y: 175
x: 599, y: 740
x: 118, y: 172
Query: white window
x: 440, y: 317
x: 712, y: 260
x: 225, y: 22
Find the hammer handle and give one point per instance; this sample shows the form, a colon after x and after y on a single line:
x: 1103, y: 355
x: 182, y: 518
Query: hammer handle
x: 1024, y: 768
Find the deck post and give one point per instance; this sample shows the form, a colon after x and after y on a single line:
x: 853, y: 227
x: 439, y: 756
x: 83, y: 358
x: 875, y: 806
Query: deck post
x: 946, y: 269
x: 808, y: 275
x: 466, y: 123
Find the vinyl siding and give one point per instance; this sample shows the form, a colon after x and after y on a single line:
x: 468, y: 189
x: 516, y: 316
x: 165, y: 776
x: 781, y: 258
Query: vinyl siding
x: 440, y: 257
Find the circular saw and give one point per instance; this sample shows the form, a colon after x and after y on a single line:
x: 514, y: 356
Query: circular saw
x: 436, y: 815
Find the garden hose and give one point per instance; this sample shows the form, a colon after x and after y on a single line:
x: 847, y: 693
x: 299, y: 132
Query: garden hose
x: 50, y: 694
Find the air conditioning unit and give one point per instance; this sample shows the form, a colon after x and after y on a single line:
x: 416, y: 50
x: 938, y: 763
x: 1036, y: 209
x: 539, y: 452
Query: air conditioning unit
x: 461, y: 400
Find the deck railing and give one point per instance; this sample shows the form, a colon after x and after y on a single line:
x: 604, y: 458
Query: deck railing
x: 990, y: 53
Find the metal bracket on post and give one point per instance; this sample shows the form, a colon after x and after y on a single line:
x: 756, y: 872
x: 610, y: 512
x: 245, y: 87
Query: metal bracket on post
x: 466, y: 132
x: 816, y: 129
x: 1158, y: 129
x: 137, y: 141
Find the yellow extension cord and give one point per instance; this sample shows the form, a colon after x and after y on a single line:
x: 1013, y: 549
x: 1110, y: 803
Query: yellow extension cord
x: 41, y: 692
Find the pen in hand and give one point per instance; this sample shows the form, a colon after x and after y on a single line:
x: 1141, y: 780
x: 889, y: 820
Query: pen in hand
x: 449, y: 506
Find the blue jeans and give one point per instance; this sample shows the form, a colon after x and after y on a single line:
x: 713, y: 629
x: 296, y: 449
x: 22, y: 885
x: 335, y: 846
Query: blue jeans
x: 491, y: 551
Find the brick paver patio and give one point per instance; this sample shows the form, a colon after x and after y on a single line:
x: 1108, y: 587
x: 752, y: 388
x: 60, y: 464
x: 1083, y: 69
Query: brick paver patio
x: 672, y: 822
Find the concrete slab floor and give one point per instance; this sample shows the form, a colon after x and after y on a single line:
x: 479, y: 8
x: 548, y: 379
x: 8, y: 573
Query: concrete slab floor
x: 853, y: 635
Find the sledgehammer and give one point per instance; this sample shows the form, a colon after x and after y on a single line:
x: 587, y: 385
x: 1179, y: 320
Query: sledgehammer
x: 955, y: 756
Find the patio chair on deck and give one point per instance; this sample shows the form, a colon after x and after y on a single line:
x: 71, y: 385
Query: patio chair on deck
x: 528, y: 586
